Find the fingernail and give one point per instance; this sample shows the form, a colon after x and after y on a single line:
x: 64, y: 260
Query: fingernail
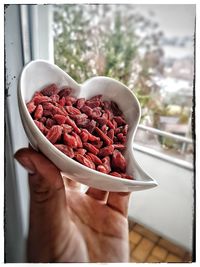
x: 26, y: 163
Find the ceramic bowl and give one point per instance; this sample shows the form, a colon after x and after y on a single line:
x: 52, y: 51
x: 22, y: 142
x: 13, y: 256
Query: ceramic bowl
x: 39, y: 73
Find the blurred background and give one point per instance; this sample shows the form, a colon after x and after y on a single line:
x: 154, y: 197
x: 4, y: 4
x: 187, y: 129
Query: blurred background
x: 149, y: 48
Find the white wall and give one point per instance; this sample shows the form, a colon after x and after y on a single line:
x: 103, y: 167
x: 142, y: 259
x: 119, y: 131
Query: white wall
x: 168, y: 208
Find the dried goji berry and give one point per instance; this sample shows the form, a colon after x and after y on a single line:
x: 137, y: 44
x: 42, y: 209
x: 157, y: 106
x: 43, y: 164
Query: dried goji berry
x: 62, y: 101
x: 49, y: 90
x: 121, y: 138
x: 101, y: 120
x: 54, y: 134
x: 65, y: 149
x: 73, y: 124
x: 114, y: 123
x: 50, y: 122
x: 90, y: 126
x: 65, y: 92
x: 70, y: 140
x: 116, y: 174
x: 125, y: 129
x: 67, y: 128
x: 117, y: 130
x: 115, y: 109
x: 103, y: 136
x: 60, y: 110
x: 87, y: 162
x: 43, y: 120
x: 78, y: 139
x: 81, y: 151
x: 55, y: 98
x: 94, y: 158
x: 38, y: 112
x: 72, y: 110
x: 97, y: 97
x: 96, y: 113
x: 81, y: 120
x: 110, y: 125
x: 118, y: 161
x: 69, y: 100
x: 59, y: 118
x: 106, y: 163
x: 119, y: 120
x: 92, y: 103
x: 107, y: 105
x: 41, y: 126
x: 119, y: 146
x: 102, y: 168
x: 104, y: 129
x: 124, y: 175
x: 31, y: 106
x: 78, y: 117
x: 110, y: 114
x: 105, y: 116
x: 41, y: 99
x: 91, y: 137
x: 91, y: 148
x: 98, y: 144
x: 106, y: 151
x: 80, y: 103
x: 84, y: 135
x: 111, y: 134
x: 87, y: 110
x: 50, y: 109
x: 48, y: 106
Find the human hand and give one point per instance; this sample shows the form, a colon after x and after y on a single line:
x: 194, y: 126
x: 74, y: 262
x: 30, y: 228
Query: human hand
x: 67, y: 225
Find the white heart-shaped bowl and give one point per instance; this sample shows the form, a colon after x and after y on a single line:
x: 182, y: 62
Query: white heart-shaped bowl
x: 39, y: 73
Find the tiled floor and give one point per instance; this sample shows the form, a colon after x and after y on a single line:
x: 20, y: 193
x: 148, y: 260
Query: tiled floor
x: 146, y: 246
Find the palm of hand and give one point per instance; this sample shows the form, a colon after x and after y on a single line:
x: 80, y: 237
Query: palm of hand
x: 103, y: 231
x: 69, y: 226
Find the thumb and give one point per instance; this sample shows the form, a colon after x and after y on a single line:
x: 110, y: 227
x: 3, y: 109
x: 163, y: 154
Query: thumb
x: 44, y: 176
x: 48, y: 207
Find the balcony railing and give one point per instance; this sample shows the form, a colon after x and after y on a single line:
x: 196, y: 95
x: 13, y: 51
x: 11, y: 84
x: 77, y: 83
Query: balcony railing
x: 184, y: 140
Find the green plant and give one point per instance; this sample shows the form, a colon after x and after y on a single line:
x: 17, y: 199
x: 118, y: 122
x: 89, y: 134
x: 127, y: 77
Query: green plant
x: 70, y: 40
x: 99, y: 40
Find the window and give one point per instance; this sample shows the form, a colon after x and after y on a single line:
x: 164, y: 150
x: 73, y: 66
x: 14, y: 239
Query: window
x: 23, y: 42
x: 141, y: 47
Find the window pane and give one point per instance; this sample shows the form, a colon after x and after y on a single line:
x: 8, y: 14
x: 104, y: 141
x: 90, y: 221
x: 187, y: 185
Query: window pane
x: 147, y: 47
